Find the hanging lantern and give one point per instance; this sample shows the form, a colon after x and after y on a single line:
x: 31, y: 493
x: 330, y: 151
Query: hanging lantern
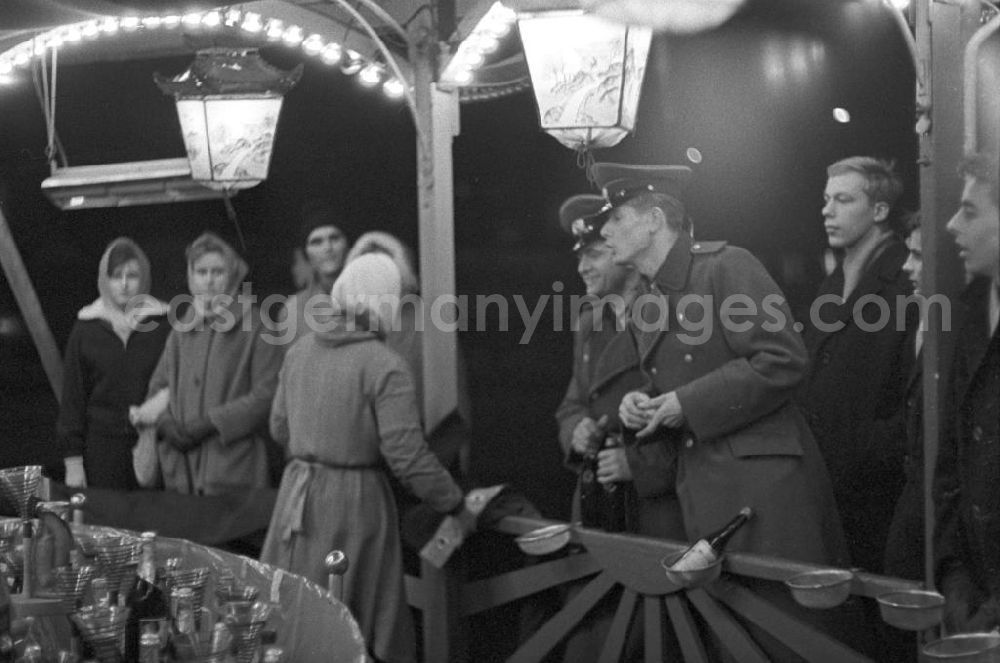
x: 586, y: 73
x: 228, y: 103
x: 670, y: 16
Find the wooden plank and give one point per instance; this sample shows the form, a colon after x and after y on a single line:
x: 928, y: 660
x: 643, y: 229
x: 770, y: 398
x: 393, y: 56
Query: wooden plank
x: 554, y: 630
x: 31, y: 309
x: 441, y: 627
x: 745, y: 564
x: 504, y: 588
x: 654, y: 629
x: 614, y: 644
x: 686, y: 630
x: 803, y: 639
x: 731, y: 635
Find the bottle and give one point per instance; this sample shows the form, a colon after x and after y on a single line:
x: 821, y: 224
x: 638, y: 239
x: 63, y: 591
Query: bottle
x: 591, y: 494
x: 620, y: 500
x: 145, y: 599
x: 707, y: 550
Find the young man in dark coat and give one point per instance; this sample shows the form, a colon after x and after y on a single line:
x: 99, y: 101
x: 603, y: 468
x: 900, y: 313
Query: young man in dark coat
x: 967, y: 491
x: 713, y: 338
x: 856, y: 334
x: 904, y: 546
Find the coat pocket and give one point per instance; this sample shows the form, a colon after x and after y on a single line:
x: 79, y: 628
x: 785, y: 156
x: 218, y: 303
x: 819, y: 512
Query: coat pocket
x: 761, y: 440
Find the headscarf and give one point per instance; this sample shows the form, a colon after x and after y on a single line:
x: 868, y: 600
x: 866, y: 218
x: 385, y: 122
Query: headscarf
x: 369, y: 284
x: 376, y: 241
x: 236, y: 270
x: 123, y: 321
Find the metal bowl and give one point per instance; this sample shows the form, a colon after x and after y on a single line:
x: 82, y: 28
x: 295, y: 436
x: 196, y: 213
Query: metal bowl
x: 911, y: 610
x: 965, y: 648
x: 827, y: 588
x: 544, y: 540
x: 691, y: 578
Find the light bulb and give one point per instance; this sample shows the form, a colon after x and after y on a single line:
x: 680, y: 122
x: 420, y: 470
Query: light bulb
x: 371, y: 75
x: 275, y: 29
x: 252, y: 22
x: 293, y: 35
x: 331, y: 54
x: 393, y: 88
x: 313, y: 45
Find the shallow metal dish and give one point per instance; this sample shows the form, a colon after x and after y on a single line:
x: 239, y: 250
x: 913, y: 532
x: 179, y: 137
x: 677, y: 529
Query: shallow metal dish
x: 691, y: 578
x: 823, y: 589
x: 965, y: 648
x: 544, y: 540
x: 911, y: 610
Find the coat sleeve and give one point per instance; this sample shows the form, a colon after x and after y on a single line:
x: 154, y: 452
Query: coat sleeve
x: 162, y: 374
x: 768, y: 357
x: 71, y: 424
x: 402, y: 443
x: 573, y: 408
x: 279, y: 412
x: 244, y: 415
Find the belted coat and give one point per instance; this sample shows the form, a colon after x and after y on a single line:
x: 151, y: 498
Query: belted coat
x: 723, y: 340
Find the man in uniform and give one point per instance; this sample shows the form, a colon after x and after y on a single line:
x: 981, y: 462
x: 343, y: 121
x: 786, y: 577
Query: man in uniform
x: 713, y: 338
x: 589, y: 411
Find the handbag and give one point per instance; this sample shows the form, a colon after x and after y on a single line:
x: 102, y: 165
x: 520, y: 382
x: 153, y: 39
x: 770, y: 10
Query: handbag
x: 145, y: 459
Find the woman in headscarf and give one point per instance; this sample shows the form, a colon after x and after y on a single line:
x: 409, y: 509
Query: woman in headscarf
x: 112, y: 350
x: 220, y: 372
x: 345, y: 408
x: 449, y: 437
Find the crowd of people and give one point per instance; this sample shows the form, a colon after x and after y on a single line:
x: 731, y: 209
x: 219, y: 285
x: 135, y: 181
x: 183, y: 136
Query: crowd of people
x: 694, y: 390
x: 815, y: 423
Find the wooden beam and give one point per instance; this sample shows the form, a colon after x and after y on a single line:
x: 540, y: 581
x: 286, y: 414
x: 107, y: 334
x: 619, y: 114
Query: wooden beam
x: 614, y: 644
x: 31, y: 308
x: 806, y: 641
x: 686, y: 630
x: 557, y: 628
x: 504, y: 588
x: 653, y: 629
x: 731, y: 635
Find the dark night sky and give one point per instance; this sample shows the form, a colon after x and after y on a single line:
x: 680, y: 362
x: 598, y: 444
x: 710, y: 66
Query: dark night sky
x: 755, y: 98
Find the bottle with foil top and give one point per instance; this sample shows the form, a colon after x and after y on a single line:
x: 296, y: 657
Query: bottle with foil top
x: 706, y: 551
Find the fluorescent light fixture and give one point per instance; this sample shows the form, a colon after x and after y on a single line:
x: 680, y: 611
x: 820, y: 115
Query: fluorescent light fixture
x: 124, y: 184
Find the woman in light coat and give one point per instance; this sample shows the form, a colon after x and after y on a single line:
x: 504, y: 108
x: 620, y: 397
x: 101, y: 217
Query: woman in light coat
x: 345, y: 408
x: 220, y: 367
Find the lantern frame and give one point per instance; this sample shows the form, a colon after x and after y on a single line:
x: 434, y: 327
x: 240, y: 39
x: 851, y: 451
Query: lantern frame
x: 587, y: 82
x: 228, y: 104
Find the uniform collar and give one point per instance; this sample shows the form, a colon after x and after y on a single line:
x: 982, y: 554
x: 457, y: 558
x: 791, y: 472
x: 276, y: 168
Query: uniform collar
x: 673, y: 273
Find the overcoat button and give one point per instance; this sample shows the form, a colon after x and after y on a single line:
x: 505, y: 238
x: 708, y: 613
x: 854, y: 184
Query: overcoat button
x: 977, y: 433
x: 688, y: 359
x: 653, y: 370
x: 689, y: 442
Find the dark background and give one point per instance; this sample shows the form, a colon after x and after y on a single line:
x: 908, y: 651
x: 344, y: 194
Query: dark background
x: 755, y: 98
